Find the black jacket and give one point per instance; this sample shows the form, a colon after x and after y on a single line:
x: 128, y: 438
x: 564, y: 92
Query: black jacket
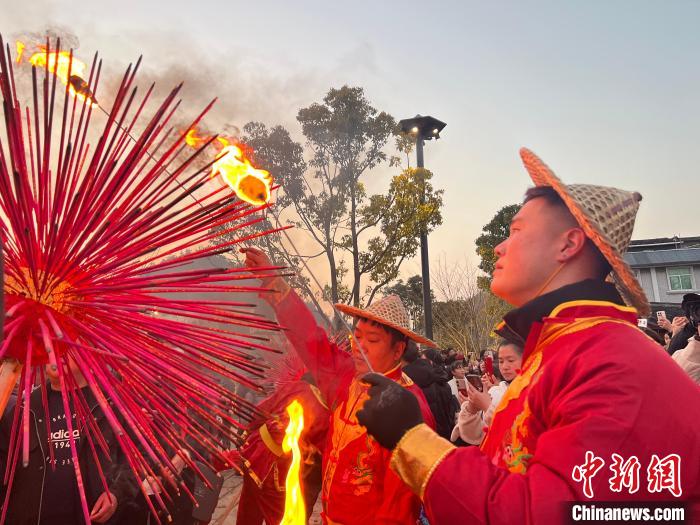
x: 433, y: 382
x: 25, y: 501
x: 680, y: 340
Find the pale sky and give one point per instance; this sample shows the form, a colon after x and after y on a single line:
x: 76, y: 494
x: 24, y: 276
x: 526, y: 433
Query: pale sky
x: 605, y: 92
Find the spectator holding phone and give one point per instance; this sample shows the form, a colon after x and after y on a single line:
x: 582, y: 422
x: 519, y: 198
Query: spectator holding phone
x: 683, y: 328
x: 458, y: 372
x: 478, y: 407
x: 688, y: 357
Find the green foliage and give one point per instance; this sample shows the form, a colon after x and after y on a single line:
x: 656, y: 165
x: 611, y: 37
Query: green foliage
x: 405, y: 143
x: 346, y: 133
x: 493, y: 234
x: 411, y: 294
x: 399, y: 217
x: 346, y: 136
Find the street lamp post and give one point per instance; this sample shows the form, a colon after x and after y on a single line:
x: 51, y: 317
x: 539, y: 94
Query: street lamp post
x: 424, y: 128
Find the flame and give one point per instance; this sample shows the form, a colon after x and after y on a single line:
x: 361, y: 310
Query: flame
x: 294, y: 508
x: 192, y: 140
x: 251, y: 184
x: 20, y: 50
x: 70, y: 73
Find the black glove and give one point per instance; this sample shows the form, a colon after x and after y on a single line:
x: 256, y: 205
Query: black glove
x: 390, y: 411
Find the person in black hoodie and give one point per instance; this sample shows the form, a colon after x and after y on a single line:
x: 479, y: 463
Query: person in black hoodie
x: 691, y: 309
x: 432, y: 379
x: 41, y: 494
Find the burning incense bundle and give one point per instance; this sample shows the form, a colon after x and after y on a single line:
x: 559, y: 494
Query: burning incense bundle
x: 97, y: 277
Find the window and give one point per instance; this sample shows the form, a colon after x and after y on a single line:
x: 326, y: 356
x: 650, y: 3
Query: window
x: 680, y: 278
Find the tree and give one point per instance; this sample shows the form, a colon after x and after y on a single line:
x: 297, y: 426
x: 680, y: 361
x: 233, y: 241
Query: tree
x: 493, y: 234
x: 347, y: 136
x: 465, y: 315
x: 365, y: 239
x: 399, y: 216
x: 411, y: 294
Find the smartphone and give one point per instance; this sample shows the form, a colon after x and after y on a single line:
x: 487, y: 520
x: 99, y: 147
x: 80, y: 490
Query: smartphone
x: 475, y: 381
x: 488, y: 364
x: 660, y: 315
x: 461, y: 386
x: 642, y: 323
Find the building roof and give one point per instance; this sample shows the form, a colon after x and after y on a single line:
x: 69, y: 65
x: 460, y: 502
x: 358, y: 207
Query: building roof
x: 664, y: 243
x: 663, y: 257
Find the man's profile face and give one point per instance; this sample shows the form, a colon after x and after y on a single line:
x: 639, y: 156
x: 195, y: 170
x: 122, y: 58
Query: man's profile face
x: 377, y: 344
x: 529, y: 256
x: 458, y: 372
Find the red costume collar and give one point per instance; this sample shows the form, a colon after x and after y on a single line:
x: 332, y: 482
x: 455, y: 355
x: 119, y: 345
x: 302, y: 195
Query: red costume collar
x: 581, y: 299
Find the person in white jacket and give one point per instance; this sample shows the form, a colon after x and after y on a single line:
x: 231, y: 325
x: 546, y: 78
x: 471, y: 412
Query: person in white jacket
x: 688, y: 358
x: 478, y: 407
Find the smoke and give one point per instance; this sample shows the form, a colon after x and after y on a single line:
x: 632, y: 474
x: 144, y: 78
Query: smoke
x: 68, y: 39
x: 247, y: 87
x: 244, y: 91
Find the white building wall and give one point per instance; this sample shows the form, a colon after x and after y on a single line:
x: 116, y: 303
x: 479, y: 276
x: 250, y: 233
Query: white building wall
x: 668, y: 296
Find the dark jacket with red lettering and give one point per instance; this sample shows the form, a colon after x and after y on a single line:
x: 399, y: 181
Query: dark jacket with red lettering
x: 25, y: 501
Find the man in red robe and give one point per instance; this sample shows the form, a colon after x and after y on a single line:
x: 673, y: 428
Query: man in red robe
x: 599, y: 411
x: 358, y: 485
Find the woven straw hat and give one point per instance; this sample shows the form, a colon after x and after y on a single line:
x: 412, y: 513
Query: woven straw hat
x: 390, y: 312
x: 607, y: 217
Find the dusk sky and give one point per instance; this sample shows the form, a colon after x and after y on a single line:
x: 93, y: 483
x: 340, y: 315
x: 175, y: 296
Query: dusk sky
x: 605, y: 92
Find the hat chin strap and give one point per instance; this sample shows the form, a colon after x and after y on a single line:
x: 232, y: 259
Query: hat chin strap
x: 550, y: 279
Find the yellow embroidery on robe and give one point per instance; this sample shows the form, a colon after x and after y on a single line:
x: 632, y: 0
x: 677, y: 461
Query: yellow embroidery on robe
x: 519, y: 453
x: 516, y: 454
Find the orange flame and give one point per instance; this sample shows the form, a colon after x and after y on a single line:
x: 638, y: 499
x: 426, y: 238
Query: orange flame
x: 192, y: 140
x: 294, y: 508
x: 251, y: 184
x: 20, y: 50
x: 70, y: 73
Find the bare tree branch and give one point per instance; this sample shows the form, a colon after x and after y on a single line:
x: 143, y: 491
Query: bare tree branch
x: 464, y: 314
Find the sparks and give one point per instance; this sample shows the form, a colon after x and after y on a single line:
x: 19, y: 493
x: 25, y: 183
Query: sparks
x: 192, y: 139
x: 294, y: 507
